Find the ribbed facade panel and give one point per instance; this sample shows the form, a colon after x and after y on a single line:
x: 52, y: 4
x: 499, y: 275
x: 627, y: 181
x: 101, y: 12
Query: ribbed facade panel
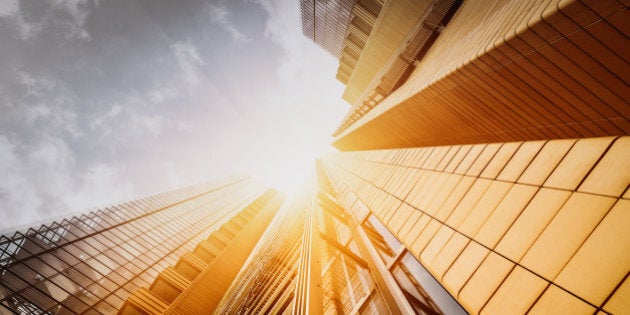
x: 510, y: 71
x: 395, y: 70
x: 536, y: 226
x: 268, y: 280
x: 325, y: 22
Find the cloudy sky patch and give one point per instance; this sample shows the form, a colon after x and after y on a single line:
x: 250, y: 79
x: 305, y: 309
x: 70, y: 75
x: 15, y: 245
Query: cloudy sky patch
x: 110, y: 100
x: 221, y: 16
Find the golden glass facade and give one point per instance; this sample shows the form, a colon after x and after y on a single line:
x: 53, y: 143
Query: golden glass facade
x: 521, y: 226
x: 91, y: 263
x: 268, y: 281
x: 321, y: 257
x: 199, y: 279
x: 229, y: 247
x: 500, y: 158
x: 486, y: 170
x: 498, y: 71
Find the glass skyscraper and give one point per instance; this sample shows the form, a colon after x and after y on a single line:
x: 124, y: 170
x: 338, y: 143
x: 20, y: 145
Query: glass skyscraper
x: 485, y: 169
x: 92, y: 262
x: 490, y: 139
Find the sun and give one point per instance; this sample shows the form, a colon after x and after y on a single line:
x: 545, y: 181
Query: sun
x: 289, y: 173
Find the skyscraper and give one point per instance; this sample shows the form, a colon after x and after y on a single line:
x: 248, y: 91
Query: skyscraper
x: 316, y: 256
x: 324, y: 254
x: 426, y: 73
x: 490, y: 137
x: 486, y: 170
x: 226, y: 247
x: 91, y: 263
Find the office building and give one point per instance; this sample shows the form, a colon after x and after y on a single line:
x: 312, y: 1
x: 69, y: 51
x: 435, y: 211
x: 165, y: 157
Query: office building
x: 485, y: 169
x: 93, y: 262
x: 319, y: 257
x: 226, y: 247
x: 536, y: 226
x: 490, y: 137
x: 316, y: 257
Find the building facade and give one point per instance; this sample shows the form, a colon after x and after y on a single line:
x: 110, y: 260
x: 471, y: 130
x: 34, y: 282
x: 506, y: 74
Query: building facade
x: 319, y: 257
x: 486, y: 170
x: 536, y: 226
x: 228, y: 247
x: 93, y: 262
x: 491, y: 139
x: 315, y: 256
x: 428, y: 73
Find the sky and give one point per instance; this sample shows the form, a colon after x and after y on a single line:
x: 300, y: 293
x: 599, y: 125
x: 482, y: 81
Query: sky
x: 103, y: 101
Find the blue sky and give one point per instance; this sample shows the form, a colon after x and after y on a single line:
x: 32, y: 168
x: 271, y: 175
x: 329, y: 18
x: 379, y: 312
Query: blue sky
x: 109, y: 100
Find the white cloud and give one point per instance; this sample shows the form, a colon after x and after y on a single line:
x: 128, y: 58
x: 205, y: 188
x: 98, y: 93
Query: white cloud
x: 171, y: 174
x: 41, y: 180
x: 283, y: 29
x: 29, y: 25
x: 161, y: 95
x: 183, y: 126
x: 44, y: 169
x: 8, y: 7
x: 35, y: 85
x: 18, y: 202
x: 128, y: 118
x: 79, y: 13
x: 189, y: 61
x: 97, y: 122
x: 27, y: 30
x: 101, y: 184
x: 34, y: 114
x: 152, y: 124
x: 44, y: 103
x: 136, y: 115
x: 50, y: 153
x: 302, y: 79
x: 76, y: 8
x: 221, y: 16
